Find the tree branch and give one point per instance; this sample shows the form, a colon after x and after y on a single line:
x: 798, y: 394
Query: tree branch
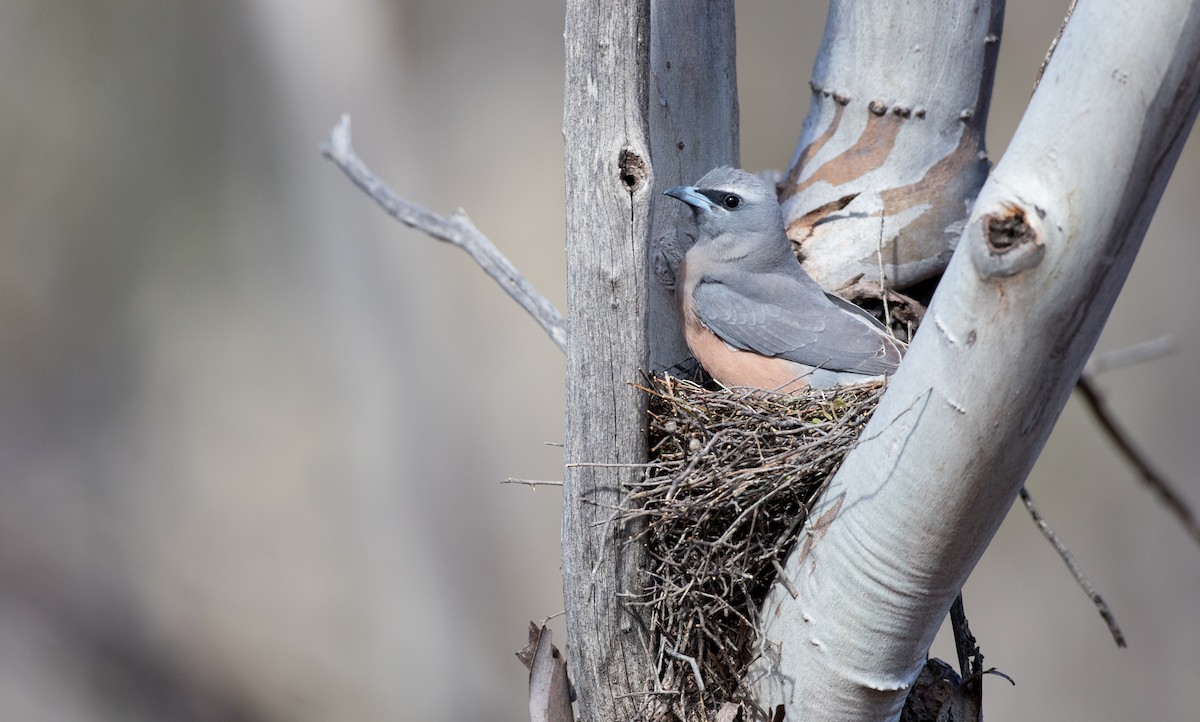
x: 1076, y: 571
x: 900, y: 96
x: 608, y: 197
x: 635, y: 121
x: 1154, y: 479
x: 455, y: 229
x: 1047, y: 247
x: 1138, y: 353
x: 693, y: 117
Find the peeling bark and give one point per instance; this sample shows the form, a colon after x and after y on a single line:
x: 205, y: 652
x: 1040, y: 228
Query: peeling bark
x: 900, y: 100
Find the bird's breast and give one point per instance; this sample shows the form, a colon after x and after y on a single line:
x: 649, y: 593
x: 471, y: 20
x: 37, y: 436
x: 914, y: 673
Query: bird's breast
x: 728, y: 365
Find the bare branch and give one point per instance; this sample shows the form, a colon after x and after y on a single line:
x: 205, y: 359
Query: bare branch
x: 531, y: 482
x: 1138, y: 353
x: 1054, y: 44
x: 691, y: 661
x: 1157, y: 482
x: 1076, y: 571
x: 455, y: 229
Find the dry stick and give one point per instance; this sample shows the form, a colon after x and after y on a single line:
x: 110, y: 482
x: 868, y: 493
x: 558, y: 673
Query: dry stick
x: 1076, y: 571
x: 455, y: 229
x: 1151, y: 350
x: 531, y: 482
x: 1156, y: 481
x: 691, y: 661
x: 887, y: 315
x: 970, y: 659
x: 1054, y: 44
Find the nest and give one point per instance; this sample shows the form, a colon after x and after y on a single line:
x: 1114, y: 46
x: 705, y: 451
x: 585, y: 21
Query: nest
x: 725, y: 498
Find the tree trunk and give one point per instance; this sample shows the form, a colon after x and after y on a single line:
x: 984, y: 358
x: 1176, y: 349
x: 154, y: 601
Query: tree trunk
x: 1045, y: 251
x: 892, y: 155
x: 612, y: 130
x: 608, y: 209
x: 693, y: 129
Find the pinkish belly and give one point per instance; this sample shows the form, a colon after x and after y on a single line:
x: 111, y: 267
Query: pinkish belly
x: 733, y: 367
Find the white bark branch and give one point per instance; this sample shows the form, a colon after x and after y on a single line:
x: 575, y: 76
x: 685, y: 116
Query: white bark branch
x: 455, y: 229
x: 892, y: 153
x: 1045, y: 252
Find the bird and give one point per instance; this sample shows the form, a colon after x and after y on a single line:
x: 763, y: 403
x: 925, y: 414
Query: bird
x: 751, y: 315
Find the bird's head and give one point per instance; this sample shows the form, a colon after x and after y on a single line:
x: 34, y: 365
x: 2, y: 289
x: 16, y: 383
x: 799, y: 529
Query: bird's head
x: 730, y: 200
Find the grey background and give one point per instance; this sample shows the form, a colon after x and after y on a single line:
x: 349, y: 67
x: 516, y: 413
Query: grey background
x: 252, y: 431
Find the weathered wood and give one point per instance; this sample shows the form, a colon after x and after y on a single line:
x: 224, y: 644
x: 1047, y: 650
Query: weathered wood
x: 1045, y: 252
x: 608, y: 195
x: 623, y: 107
x: 693, y: 129
x: 892, y: 151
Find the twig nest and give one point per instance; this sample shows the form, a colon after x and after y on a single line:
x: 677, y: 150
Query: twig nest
x: 731, y: 478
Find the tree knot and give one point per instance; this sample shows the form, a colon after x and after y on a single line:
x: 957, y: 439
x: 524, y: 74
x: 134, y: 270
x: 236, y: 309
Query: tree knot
x: 1009, y: 242
x: 633, y: 169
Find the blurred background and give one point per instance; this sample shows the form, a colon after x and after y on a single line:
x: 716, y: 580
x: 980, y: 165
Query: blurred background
x: 252, y: 431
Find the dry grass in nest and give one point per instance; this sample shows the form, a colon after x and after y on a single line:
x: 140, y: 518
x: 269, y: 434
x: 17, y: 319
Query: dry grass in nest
x: 732, y: 477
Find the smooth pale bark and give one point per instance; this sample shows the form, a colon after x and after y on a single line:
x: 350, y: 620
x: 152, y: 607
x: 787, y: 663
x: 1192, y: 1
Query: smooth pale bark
x: 624, y: 105
x: 1044, y: 254
x: 892, y: 154
x: 693, y: 129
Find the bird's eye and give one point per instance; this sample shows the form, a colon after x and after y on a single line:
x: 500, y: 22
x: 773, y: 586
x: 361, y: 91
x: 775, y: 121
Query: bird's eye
x: 731, y: 201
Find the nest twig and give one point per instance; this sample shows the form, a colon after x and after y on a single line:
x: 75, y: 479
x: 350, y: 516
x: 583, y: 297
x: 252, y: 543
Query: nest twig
x: 727, y: 496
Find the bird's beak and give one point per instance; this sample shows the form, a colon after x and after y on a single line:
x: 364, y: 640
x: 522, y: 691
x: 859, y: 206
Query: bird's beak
x: 691, y: 196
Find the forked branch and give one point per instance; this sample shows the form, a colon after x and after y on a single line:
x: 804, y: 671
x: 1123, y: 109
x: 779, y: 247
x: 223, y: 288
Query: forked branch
x: 455, y: 229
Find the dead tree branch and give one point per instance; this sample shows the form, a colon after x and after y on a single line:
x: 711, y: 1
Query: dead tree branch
x: 1153, y: 478
x: 1076, y: 571
x: 455, y: 229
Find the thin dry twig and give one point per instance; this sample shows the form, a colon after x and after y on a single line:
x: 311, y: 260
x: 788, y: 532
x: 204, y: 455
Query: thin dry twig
x: 1076, y: 571
x: 970, y: 659
x: 1157, y: 481
x: 455, y: 229
x: 531, y: 482
x: 1151, y: 350
x: 1054, y: 44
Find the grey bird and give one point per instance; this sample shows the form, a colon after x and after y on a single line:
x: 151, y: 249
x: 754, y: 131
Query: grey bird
x: 751, y: 315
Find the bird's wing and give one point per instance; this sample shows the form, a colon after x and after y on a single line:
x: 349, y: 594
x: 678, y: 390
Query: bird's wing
x: 773, y: 315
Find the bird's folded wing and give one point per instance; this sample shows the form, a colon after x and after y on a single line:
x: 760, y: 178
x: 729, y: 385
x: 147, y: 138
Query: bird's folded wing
x: 802, y: 327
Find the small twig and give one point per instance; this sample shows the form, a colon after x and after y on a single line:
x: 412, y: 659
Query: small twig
x: 531, y: 482
x: 1054, y: 44
x: 1156, y: 481
x: 1151, y: 350
x: 600, y: 465
x: 691, y: 663
x: 1080, y: 578
x: 887, y: 312
x: 783, y: 579
x: 970, y: 659
x: 556, y: 615
x: 455, y: 229
x: 966, y: 702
